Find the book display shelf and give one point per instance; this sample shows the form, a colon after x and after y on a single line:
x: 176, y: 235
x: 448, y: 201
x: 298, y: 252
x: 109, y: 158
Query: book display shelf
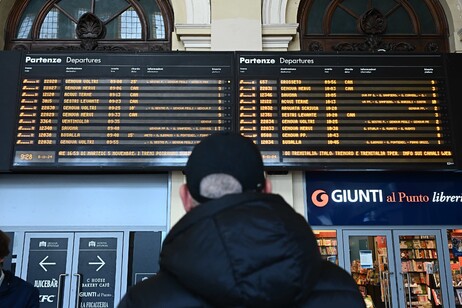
x: 455, y: 262
x: 420, y: 271
x: 327, y: 242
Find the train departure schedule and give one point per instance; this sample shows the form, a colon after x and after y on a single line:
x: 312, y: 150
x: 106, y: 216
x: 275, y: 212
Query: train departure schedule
x: 350, y: 110
x: 119, y: 109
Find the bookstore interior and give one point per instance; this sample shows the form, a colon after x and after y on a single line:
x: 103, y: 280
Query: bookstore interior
x: 407, y: 261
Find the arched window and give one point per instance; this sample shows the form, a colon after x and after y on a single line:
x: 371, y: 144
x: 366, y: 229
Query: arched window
x: 90, y: 25
x: 373, y: 25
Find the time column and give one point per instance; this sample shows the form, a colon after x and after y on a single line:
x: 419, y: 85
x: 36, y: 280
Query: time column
x: 332, y: 115
x: 116, y: 100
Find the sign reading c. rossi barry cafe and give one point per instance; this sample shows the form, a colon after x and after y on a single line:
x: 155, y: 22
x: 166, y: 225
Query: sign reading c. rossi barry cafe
x: 381, y: 198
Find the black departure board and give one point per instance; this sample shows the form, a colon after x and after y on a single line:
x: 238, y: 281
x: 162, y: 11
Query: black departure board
x: 120, y: 110
x: 146, y: 111
x: 346, y: 111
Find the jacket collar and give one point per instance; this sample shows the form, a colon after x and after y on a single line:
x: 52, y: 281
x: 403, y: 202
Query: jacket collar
x: 210, y: 208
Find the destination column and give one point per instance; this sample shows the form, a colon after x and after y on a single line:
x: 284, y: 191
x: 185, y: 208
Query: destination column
x: 302, y: 102
x: 80, y: 111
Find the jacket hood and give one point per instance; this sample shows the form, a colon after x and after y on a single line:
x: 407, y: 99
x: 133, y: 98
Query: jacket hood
x: 247, y: 249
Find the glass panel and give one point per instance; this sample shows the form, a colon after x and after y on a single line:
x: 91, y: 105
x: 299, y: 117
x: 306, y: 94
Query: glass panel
x: 49, y: 29
x: 157, y: 25
x: 383, y: 5
x: 28, y: 18
x: 156, y: 20
x: 343, y: 23
x: 106, y: 9
x: 56, y: 25
x: 369, y: 268
x: 455, y: 256
x: 399, y: 23
x: 75, y: 8
x: 25, y: 27
x: 130, y: 25
x: 126, y: 26
x: 327, y: 242
x: 314, y: 22
x: 427, y: 23
x: 420, y: 269
x: 356, y: 6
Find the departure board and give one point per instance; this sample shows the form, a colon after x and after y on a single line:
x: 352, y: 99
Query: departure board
x: 120, y: 110
x: 346, y: 111
x: 146, y: 111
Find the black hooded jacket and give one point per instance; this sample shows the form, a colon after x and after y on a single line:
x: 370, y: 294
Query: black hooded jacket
x: 244, y: 250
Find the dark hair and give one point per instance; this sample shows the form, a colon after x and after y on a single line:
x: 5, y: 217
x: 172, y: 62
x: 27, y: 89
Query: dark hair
x: 4, y: 245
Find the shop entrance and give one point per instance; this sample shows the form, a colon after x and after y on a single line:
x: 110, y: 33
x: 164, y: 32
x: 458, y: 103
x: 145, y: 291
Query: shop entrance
x: 74, y: 269
x: 397, y: 268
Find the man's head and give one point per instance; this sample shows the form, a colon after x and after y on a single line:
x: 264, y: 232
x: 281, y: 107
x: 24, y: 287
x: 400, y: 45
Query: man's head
x: 4, y: 245
x: 222, y: 164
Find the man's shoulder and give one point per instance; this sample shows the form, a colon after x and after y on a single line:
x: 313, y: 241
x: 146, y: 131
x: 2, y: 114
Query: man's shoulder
x: 162, y: 290
x: 334, y: 288
x: 336, y: 278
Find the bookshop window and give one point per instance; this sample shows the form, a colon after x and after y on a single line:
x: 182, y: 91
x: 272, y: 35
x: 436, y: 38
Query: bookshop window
x: 327, y: 242
x: 91, y: 25
x: 373, y: 26
x: 455, y: 256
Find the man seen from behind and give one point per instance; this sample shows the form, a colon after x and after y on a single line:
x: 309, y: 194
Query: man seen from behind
x: 239, y: 245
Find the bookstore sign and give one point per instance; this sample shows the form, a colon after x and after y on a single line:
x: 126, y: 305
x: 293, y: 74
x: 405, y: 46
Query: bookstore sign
x: 384, y: 198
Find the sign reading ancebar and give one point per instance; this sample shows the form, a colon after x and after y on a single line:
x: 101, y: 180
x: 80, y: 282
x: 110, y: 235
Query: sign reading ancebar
x: 120, y: 109
x: 331, y: 110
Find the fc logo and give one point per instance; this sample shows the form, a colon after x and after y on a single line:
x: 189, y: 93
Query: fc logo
x: 47, y: 298
x: 319, y: 198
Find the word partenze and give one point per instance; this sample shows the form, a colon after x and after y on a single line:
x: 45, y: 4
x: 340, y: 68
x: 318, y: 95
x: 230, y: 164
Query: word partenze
x: 273, y: 61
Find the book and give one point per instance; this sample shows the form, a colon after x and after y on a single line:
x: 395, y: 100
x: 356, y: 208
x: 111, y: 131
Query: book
x: 459, y: 295
x: 436, y: 279
x: 428, y: 267
x: 436, y: 297
x: 405, y: 266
